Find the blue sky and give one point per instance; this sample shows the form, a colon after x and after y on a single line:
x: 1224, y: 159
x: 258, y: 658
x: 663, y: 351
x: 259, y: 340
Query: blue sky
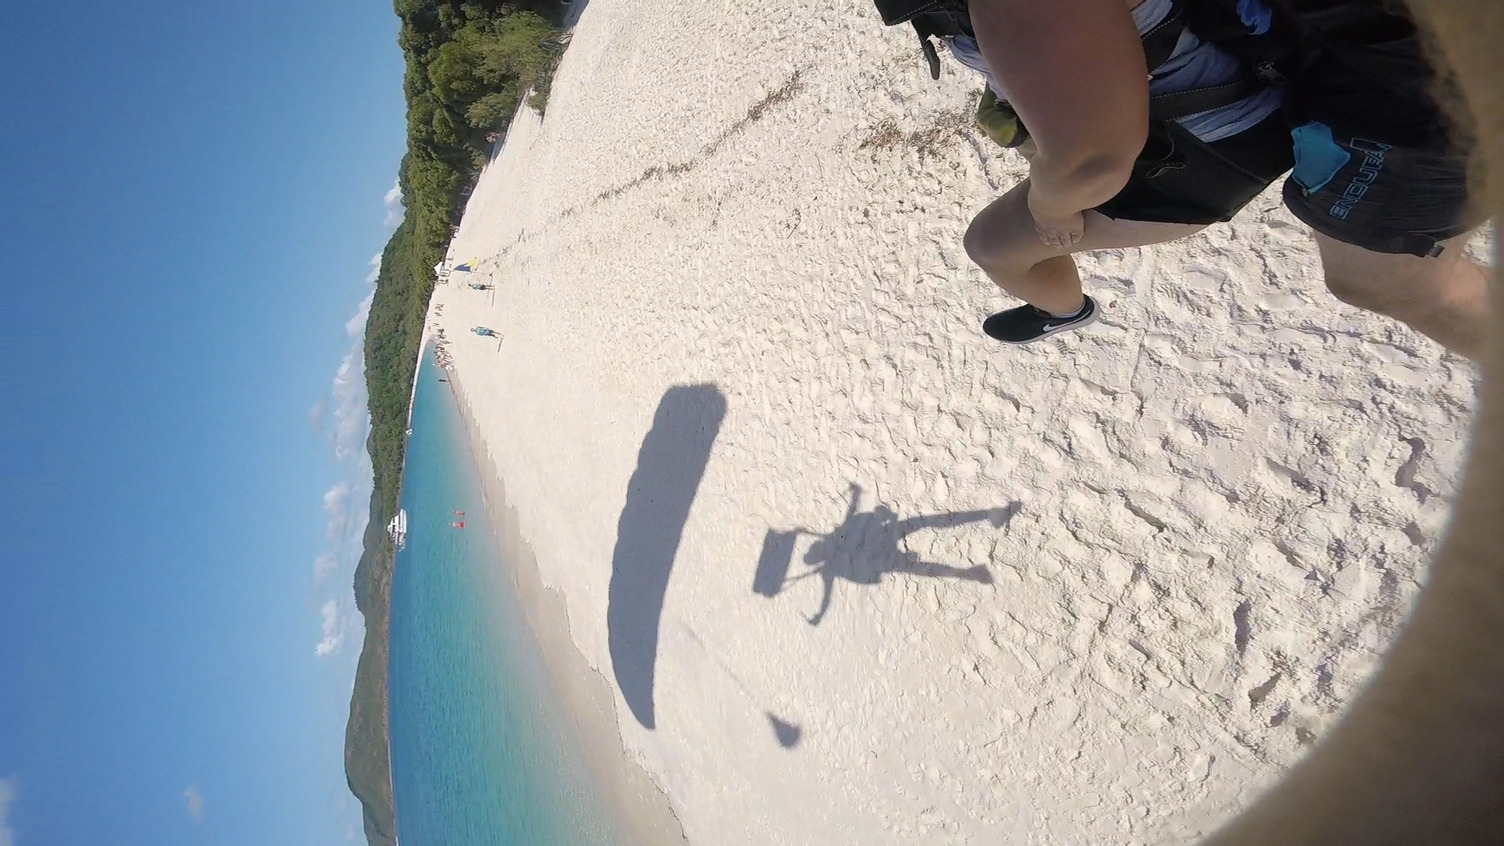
x: 192, y: 195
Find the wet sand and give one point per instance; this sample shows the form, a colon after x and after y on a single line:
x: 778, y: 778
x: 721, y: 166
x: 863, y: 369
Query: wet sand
x: 641, y: 809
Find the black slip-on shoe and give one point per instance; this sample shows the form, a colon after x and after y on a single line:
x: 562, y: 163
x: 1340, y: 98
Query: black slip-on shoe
x: 1027, y: 324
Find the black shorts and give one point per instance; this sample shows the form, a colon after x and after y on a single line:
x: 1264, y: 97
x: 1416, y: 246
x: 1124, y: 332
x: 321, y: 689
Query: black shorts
x: 1383, y: 197
x: 1375, y: 163
x: 1179, y: 179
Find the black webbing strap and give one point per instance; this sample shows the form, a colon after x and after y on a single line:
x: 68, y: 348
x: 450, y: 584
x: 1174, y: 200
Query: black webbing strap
x: 939, y: 18
x: 1160, y: 41
x: 1167, y: 107
x: 931, y: 19
x: 894, y: 12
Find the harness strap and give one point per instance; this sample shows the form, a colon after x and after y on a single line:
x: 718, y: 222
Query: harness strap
x: 939, y: 18
x: 894, y: 12
x: 930, y: 19
x: 1159, y: 42
x: 1168, y: 107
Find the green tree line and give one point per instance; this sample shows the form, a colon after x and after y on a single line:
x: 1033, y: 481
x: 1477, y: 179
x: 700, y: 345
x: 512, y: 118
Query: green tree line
x: 468, y: 67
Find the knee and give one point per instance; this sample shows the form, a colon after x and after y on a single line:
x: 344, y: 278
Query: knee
x: 1386, y: 283
x: 1355, y: 291
x: 988, y: 248
x: 976, y: 244
x: 1403, y: 296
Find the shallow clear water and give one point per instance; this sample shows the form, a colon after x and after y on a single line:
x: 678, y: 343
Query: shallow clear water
x: 481, y: 750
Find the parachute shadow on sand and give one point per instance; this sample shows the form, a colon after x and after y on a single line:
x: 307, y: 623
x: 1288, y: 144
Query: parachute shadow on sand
x: 672, y: 461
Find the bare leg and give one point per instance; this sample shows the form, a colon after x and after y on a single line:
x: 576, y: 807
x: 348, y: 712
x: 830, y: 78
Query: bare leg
x: 829, y: 587
x: 1418, y: 758
x: 978, y: 573
x: 1445, y: 298
x: 946, y: 521
x: 1001, y: 239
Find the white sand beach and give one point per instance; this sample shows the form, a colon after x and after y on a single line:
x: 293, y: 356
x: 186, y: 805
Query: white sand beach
x: 1101, y: 589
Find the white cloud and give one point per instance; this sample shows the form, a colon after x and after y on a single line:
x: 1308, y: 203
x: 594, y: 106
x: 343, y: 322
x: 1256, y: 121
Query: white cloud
x: 317, y: 413
x: 195, y: 802
x: 324, y: 567
x: 336, y: 497
x: 334, y: 633
x: 375, y: 265
x: 394, y: 208
x: 344, y: 412
x: 351, y: 419
x: 346, y: 504
x: 341, y: 513
x: 8, y: 789
x: 355, y: 327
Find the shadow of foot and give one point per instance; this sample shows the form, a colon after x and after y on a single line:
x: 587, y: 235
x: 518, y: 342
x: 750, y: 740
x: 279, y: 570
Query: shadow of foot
x: 788, y: 734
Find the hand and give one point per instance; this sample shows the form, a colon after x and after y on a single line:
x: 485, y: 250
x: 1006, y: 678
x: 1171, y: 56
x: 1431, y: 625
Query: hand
x: 1060, y: 232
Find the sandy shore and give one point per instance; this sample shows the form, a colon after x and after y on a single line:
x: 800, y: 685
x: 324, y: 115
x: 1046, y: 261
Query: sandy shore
x: 854, y: 574
x: 639, y: 804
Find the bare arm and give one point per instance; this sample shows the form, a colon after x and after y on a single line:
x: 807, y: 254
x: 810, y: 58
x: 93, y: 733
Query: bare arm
x: 1074, y: 71
x: 1420, y: 758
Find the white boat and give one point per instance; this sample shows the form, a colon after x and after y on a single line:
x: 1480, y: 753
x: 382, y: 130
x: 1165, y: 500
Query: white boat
x: 398, y: 529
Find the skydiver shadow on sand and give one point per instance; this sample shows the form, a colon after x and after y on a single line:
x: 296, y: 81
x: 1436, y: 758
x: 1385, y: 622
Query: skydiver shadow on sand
x: 863, y: 547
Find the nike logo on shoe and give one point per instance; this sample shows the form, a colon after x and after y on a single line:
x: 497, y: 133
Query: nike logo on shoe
x: 1063, y: 324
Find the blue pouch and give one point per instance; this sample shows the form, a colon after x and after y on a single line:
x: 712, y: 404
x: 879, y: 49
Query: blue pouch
x: 1318, y: 156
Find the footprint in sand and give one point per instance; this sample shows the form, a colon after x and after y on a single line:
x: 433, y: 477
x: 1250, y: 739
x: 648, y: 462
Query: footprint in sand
x: 1280, y: 301
x: 1204, y: 278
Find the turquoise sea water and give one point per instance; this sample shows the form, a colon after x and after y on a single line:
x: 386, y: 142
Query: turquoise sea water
x: 481, y: 752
